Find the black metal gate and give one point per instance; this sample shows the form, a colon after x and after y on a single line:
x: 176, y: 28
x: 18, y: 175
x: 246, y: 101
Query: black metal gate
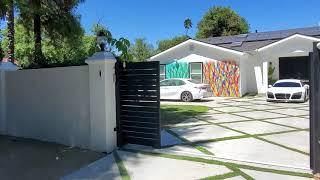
x: 138, y: 103
x: 315, y: 110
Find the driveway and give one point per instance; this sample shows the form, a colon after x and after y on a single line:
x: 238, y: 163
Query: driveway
x: 246, y: 129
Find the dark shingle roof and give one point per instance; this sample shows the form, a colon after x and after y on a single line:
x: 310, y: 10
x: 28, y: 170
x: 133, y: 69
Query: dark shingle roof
x: 252, y: 41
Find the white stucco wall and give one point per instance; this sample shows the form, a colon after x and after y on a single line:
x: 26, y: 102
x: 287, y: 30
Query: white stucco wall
x: 50, y: 105
x: 2, y: 103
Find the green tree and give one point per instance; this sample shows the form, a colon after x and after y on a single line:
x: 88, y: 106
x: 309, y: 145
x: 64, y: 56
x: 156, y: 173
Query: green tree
x: 169, y: 43
x: 221, y: 21
x: 64, y: 53
x: 7, y: 12
x: 187, y: 25
x: 119, y: 47
x: 141, y: 50
x: 51, y: 18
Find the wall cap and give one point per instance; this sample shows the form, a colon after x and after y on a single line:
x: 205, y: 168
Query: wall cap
x: 101, y: 57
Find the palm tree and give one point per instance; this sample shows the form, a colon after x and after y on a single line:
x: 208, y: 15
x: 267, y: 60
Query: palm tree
x: 187, y: 25
x: 7, y: 12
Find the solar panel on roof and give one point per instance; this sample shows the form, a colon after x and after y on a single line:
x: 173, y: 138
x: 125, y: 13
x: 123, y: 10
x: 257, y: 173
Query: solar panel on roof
x: 236, y: 43
x: 242, y: 35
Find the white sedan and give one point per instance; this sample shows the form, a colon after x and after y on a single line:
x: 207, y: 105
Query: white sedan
x: 288, y: 90
x: 183, y: 89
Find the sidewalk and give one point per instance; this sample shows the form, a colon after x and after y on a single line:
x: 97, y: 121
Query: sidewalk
x: 140, y: 165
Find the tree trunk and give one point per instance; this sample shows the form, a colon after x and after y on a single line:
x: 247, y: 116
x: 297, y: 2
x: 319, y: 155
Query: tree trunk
x: 38, y: 56
x: 10, y: 25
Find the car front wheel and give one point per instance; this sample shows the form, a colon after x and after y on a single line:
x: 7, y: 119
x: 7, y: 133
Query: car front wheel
x: 186, y: 96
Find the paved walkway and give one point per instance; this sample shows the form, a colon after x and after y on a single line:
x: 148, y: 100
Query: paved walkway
x: 147, y: 165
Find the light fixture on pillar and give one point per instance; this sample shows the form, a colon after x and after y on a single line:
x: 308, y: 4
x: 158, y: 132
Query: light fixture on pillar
x: 101, y: 40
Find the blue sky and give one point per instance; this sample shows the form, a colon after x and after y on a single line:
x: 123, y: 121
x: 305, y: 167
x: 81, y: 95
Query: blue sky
x: 160, y: 19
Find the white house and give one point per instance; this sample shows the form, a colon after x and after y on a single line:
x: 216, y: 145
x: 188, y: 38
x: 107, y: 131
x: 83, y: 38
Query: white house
x: 236, y: 65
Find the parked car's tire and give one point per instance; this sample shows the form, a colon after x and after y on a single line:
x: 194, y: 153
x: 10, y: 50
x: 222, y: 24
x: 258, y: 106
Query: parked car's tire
x: 186, y: 96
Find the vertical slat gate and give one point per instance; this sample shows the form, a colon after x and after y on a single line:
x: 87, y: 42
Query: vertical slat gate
x: 138, y: 103
x: 315, y: 110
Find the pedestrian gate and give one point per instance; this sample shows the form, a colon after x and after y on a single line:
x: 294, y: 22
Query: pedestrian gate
x: 138, y: 103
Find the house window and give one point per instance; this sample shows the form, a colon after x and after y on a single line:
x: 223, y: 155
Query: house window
x: 196, y: 71
x: 162, y: 72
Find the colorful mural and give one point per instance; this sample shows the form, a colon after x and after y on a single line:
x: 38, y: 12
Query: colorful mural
x: 177, y: 70
x: 223, y: 77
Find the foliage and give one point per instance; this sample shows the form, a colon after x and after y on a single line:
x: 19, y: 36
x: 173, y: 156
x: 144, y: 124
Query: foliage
x: 119, y: 47
x: 64, y: 53
x: 169, y: 43
x: 271, y: 70
x: 54, y: 20
x: 141, y: 50
x: 187, y: 25
x: 221, y: 21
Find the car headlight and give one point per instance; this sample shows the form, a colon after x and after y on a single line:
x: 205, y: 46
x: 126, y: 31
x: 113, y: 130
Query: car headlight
x: 297, y: 94
x: 270, y: 95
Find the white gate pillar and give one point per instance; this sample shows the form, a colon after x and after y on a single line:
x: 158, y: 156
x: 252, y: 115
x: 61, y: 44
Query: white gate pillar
x: 102, y: 102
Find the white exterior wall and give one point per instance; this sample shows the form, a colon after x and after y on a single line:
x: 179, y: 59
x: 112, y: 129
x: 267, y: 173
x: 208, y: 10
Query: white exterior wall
x: 203, y: 53
x: 74, y: 106
x: 50, y: 105
x: 2, y: 103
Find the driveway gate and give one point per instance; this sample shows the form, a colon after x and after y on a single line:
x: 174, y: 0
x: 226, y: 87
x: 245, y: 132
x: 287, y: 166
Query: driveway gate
x: 315, y: 110
x: 138, y: 103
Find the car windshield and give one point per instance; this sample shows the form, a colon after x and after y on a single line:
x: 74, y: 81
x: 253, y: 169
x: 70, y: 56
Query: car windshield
x: 287, y: 84
x: 194, y: 81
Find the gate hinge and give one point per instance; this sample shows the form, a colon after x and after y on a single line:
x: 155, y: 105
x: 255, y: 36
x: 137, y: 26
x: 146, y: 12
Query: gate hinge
x: 116, y: 129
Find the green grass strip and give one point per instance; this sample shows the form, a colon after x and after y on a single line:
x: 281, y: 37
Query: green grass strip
x: 222, y: 176
x: 262, y: 139
x: 199, y: 148
x: 286, y: 147
x: 122, y: 169
x: 227, y: 164
x: 241, y: 173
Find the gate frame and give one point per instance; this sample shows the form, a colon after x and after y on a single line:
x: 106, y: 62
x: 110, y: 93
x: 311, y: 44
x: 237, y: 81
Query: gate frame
x: 119, y: 67
x: 314, y: 103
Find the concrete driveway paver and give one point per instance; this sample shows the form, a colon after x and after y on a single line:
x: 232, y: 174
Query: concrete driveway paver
x: 200, y: 133
x: 257, y: 127
x: 261, y: 107
x: 219, y: 118
x: 105, y: 168
x: 297, y: 122
x: 255, y: 116
x: 140, y: 166
x: 254, y: 150
x: 297, y: 140
x: 231, y: 109
x: 191, y: 122
x: 291, y: 112
x: 235, y: 103
x: 259, y: 114
x: 267, y: 176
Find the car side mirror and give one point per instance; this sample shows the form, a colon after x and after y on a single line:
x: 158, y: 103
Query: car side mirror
x: 306, y: 86
x: 270, y: 86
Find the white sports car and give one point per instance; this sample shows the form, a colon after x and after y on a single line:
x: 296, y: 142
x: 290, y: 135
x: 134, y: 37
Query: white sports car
x: 288, y: 90
x: 183, y: 89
